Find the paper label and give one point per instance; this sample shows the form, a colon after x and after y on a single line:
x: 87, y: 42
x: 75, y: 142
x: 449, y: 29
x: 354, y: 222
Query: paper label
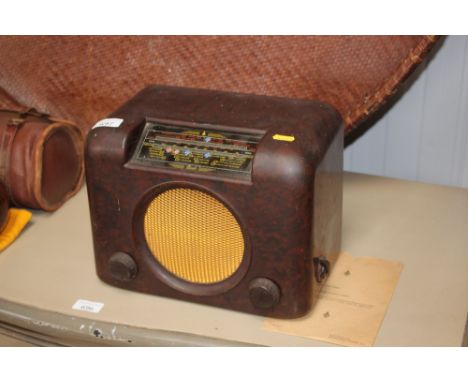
x: 88, y: 306
x: 108, y: 122
x: 351, y: 305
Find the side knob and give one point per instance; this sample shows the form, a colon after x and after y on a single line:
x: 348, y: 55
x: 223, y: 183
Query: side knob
x: 321, y: 268
x: 264, y: 293
x: 122, y: 266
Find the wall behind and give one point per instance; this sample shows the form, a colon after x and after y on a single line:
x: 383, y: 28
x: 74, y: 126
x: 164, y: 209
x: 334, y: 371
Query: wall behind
x: 424, y: 136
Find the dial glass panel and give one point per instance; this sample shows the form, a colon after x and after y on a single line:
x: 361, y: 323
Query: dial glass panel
x: 196, y: 148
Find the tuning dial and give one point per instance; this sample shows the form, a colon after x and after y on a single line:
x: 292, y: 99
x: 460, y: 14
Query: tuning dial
x: 122, y: 266
x: 264, y: 293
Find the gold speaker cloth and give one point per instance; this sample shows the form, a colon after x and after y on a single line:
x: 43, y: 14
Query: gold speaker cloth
x: 193, y: 235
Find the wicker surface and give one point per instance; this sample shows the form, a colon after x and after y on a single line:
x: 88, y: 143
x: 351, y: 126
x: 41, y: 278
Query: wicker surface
x: 7, y: 101
x: 83, y: 78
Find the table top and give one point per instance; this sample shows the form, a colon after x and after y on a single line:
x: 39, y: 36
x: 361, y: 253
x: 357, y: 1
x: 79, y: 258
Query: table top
x: 423, y: 226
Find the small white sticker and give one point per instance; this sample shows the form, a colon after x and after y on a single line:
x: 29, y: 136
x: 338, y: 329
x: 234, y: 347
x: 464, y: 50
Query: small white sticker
x: 88, y: 306
x: 108, y: 122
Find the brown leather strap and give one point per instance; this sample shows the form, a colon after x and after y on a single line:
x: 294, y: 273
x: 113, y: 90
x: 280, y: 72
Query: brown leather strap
x: 7, y: 136
x: 32, y: 112
x: 4, y: 204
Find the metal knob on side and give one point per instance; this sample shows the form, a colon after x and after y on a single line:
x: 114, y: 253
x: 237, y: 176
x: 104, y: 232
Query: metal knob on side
x: 321, y: 268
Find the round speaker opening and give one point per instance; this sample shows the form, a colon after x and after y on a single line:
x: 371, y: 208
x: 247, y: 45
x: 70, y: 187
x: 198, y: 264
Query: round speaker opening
x: 193, y: 235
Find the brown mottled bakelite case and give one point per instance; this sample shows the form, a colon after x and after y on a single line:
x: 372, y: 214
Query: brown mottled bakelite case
x: 289, y: 206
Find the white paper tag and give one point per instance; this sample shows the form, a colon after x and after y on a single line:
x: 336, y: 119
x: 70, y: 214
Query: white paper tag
x: 88, y: 306
x: 108, y: 122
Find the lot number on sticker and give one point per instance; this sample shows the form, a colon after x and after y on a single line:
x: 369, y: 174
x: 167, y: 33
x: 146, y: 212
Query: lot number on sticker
x: 88, y: 306
x: 108, y: 122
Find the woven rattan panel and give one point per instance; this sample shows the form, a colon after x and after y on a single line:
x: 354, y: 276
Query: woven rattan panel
x: 6, y: 101
x: 83, y: 78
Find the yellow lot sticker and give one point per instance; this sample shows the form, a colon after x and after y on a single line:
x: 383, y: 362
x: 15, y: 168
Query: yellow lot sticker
x: 286, y: 138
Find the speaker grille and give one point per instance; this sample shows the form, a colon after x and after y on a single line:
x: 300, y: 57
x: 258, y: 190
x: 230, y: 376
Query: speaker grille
x: 193, y: 235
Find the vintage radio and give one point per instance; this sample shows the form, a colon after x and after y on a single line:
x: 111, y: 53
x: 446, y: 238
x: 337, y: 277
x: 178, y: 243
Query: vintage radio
x: 226, y: 199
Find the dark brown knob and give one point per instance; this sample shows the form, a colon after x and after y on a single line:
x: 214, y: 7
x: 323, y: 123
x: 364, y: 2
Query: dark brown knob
x: 122, y: 266
x: 264, y: 293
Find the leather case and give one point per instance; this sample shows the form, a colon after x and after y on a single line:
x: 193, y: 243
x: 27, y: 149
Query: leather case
x: 41, y: 159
